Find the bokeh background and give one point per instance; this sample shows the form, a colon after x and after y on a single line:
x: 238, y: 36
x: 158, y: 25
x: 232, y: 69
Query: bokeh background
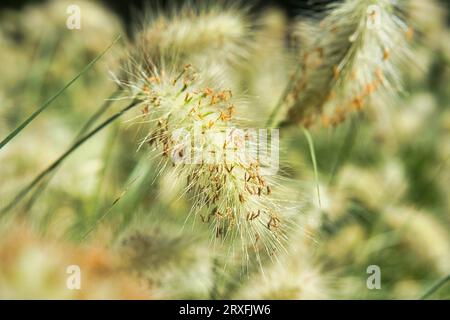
x: 384, y: 176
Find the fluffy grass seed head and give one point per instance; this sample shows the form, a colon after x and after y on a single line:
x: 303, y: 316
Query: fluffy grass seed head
x: 200, y: 32
x: 171, y: 263
x: 359, y: 49
x: 192, y: 127
x: 35, y: 267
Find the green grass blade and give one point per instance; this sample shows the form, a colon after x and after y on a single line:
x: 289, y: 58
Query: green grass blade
x: 271, y: 121
x: 314, y: 162
x: 16, y: 131
x: 435, y: 287
x: 86, y: 127
x: 58, y: 161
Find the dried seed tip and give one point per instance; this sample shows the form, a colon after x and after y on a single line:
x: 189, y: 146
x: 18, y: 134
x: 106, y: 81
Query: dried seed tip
x: 409, y: 34
x: 365, y: 45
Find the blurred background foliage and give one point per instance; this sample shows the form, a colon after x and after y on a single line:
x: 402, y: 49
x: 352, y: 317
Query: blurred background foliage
x: 384, y: 176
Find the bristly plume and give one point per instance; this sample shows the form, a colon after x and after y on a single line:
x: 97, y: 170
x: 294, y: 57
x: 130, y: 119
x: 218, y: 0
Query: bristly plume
x: 191, y: 126
x: 202, y: 33
x: 358, y: 50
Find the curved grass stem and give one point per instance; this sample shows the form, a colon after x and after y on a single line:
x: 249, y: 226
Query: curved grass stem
x: 47, y: 103
x: 271, y: 121
x: 58, y: 161
x: 435, y: 287
x: 87, y: 125
x: 314, y: 162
